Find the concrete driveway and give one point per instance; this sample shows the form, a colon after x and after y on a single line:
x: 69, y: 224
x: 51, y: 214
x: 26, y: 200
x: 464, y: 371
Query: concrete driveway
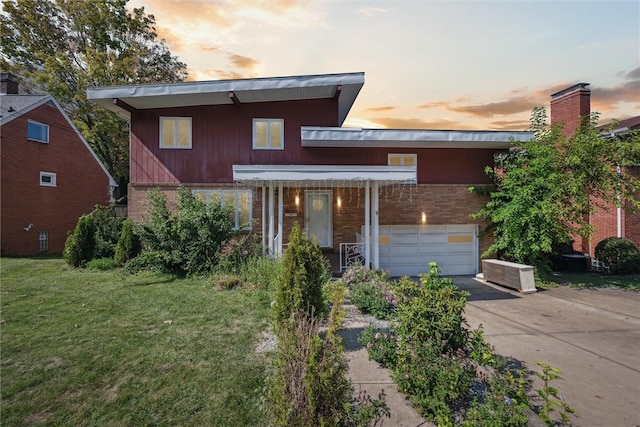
x: 591, y: 335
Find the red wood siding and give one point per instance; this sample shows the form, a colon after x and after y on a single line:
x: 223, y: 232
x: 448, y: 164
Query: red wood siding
x: 81, y: 183
x: 222, y: 137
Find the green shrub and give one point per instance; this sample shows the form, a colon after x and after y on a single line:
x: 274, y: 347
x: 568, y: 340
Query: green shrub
x: 80, y: 246
x: 619, y: 254
x: 305, y: 271
x: 236, y: 252
x: 381, y: 345
x: 309, y: 386
x: 101, y: 264
x: 128, y: 246
x: 370, y: 291
x: 187, y: 241
x: 108, y: 230
x: 261, y: 273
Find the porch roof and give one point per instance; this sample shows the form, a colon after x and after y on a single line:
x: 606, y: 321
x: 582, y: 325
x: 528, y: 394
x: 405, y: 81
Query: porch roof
x: 325, y: 175
x: 313, y: 136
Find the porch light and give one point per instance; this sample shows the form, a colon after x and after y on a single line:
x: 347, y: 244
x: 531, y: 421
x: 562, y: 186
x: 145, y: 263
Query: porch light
x: 297, y: 201
x: 424, y: 217
x: 339, y: 202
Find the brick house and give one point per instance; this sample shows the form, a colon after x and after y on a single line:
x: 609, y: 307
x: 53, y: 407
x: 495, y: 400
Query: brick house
x: 50, y: 176
x: 568, y: 107
x: 274, y: 149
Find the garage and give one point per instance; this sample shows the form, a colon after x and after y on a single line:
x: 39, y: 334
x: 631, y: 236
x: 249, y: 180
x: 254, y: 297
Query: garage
x: 408, y: 249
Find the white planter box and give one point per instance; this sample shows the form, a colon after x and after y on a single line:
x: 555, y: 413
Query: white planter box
x: 509, y: 274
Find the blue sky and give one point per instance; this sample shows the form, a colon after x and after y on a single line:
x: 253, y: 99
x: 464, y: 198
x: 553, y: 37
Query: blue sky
x: 428, y: 64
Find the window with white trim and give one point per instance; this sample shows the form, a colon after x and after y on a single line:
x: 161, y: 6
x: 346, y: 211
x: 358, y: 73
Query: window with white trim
x: 238, y: 201
x: 43, y: 241
x: 47, y: 179
x: 401, y: 159
x: 268, y: 134
x: 175, y: 132
x: 37, y: 131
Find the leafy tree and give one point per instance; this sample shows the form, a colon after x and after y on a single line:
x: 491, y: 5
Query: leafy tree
x: 64, y: 47
x: 546, y: 188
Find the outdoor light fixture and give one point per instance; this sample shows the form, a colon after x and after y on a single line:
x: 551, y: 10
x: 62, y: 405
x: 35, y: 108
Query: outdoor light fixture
x: 297, y: 201
x: 424, y: 217
x: 339, y: 202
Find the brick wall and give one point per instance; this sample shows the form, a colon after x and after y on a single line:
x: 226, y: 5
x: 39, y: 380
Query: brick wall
x: 81, y: 183
x: 569, y: 106
x: 399, y: 205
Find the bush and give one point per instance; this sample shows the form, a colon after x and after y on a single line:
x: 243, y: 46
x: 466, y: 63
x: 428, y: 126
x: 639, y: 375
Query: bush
x: 236, y: 252
x: 108, y: 230
x: 619, y: 254
x: 101, y: 264
x: 305, y: 271
x: 369, y: 291
x: 187, y: 241
x: 226, y: 282
x: 381, y: 345
x: 80, y: 246
x: 128, y: 246
x: 261, y: 273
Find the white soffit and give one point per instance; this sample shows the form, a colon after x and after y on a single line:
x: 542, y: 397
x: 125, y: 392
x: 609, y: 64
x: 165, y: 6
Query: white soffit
x: 400, y: 138
x: 218, y: 92
x: 328, y: 175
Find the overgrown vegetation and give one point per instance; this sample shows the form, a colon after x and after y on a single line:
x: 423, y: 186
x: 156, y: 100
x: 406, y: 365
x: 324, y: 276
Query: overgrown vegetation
x: 621, y: 255
x: 546, y: 188
x: 370, y: 292
x: 128, y: 246
x: 183, y: 242
x: 449, y: 372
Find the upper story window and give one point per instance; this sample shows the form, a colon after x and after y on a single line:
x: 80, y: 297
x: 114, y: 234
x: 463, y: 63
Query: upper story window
x: 47, y: 179
x: 397, y: 159
x: 268, y: 134
x: 238, y: 201
x: 37, y: 131
x: 175, y: 132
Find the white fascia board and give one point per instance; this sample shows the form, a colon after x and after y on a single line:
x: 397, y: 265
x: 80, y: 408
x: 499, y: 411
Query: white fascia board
x: 216, y: 92
x: 405, y: 138
x: 322, y: 173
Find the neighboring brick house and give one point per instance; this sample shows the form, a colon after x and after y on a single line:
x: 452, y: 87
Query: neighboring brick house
x: 274, y: 149
x: 568, y: 107
x: 49, y: 177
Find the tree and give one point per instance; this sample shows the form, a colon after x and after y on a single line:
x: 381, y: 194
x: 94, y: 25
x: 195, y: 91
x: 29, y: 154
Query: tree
x: 64, y: 47
x: 546, y: 188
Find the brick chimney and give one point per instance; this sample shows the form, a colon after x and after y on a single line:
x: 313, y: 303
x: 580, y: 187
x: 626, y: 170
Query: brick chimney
x: 570, y: 105
x: 8, y: 84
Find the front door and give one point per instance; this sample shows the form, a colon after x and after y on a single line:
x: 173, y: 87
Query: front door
x: 317, y: 207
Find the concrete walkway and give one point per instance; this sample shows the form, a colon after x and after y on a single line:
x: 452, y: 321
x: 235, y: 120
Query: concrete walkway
x: 591, y: 335
x: 367, y: 375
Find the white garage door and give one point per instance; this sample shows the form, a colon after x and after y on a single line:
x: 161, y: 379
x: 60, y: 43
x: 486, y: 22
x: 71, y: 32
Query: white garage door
x: 408, y: 249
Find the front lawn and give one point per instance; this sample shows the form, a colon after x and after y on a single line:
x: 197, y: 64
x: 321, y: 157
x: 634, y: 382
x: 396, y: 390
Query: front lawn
x: 85, y: 347
x: 596, y: 280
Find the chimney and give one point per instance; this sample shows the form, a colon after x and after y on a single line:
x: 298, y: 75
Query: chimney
x: 8, y: 84
x: 570, y: 106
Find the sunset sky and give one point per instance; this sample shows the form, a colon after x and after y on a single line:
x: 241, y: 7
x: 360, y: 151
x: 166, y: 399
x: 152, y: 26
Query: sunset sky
x: 427, y: 63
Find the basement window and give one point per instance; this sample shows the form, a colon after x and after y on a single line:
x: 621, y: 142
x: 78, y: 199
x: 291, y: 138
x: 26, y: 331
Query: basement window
x: 37, y: 132
x: 43, y: 241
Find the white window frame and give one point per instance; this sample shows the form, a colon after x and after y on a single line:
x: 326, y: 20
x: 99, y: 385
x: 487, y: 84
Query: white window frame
x: 236, y: 212
x: 403, y: 157
x: 268, y: 122
x: 176, y: 128
x: 43, y: 241
x: 43, y: 141
x: 51, y: 175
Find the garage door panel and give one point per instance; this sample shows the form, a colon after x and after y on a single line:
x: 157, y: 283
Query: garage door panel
x: 432, y: 238
x: 433, y: 249
x: 401, y: 239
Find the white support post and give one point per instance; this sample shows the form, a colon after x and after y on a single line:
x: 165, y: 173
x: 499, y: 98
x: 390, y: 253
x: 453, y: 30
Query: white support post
x: 376, y: 226
x: 280, y: 209
x: 271, y: 218
x: 367, y: 225
x: 264, y: 220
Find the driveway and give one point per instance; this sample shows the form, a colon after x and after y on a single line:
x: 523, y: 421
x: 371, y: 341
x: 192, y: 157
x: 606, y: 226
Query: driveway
x: 591, y: 335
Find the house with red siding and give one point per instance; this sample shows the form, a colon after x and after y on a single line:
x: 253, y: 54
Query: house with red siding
x: 568, y: 107
x: 50, y: 176
x: 275, y: 150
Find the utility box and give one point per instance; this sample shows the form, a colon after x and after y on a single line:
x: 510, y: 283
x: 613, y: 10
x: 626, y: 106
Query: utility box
x: 510, y: 274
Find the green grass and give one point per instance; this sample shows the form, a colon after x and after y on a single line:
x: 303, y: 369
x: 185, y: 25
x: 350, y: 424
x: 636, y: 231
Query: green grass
x: 596, y: 280
x: 91, y: 347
